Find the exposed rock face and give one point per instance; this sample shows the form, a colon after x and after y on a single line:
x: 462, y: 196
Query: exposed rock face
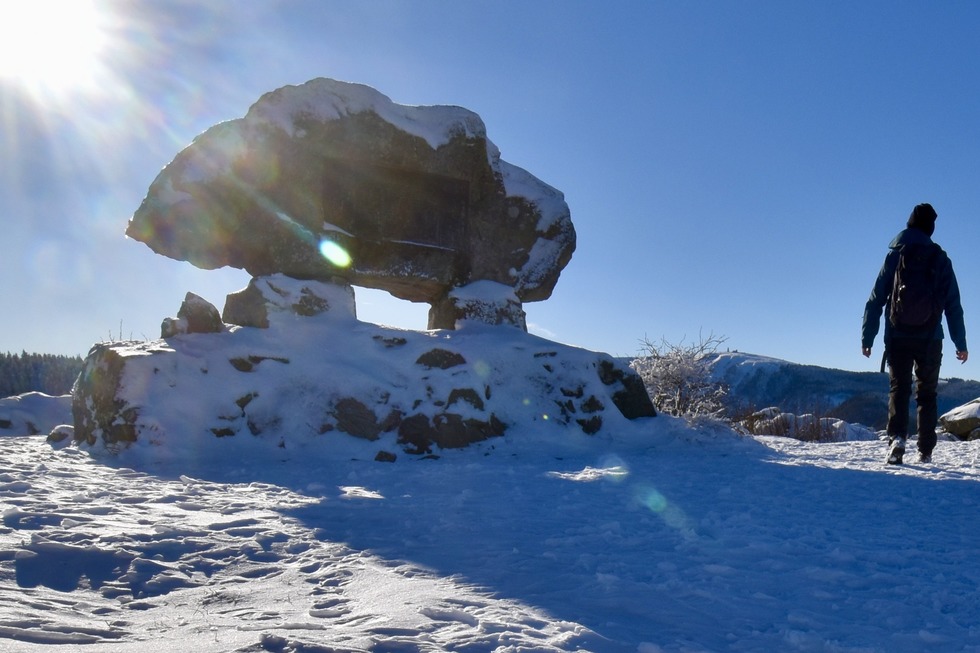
x: 482, y: 301
x: 331, y: 179
x: 196, y: 315
x: 316, y: 374
x: 98, y: 412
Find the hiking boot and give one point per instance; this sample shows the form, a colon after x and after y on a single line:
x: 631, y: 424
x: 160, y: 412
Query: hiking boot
x: 897, y: 451
x: 925, y: 457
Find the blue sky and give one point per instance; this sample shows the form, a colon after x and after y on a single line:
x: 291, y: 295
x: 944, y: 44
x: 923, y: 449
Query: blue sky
x: 732, y: 168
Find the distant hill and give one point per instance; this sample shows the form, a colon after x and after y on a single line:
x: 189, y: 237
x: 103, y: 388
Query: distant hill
x: 757, y: 382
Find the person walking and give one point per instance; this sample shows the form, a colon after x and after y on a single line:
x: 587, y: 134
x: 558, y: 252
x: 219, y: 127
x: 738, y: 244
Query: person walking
x: 914, y: 342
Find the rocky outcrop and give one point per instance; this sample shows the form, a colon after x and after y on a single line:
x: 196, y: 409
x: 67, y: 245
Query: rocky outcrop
x: 807, y: 427
x: 317, y: 375
x: 100, y: 414
x: 280, y: 295
x: 196, y: 315
x: 320, y: 188
x: 482, y: 301
x: 963, y: 421
x: 330, y: 179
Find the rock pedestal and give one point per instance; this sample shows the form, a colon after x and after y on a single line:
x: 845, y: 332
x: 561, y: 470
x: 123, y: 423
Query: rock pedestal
x: 313, y: 373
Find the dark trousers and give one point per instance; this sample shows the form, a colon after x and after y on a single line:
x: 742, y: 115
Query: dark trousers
x: 924, y: 357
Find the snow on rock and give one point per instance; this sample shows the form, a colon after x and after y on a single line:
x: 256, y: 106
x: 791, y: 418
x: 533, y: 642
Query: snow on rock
x: 324, y: 100
x: 963, y: 421
x: 318, y: 379
x: 488, y: 302
x: 806, y: 427
x: 33, y: 413
x: 196, y: 315
x: 278, y: 299
x: 415, y: 200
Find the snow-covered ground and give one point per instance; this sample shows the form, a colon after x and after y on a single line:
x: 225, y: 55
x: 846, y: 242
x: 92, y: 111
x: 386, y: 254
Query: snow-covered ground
x: 666, y: 539
x: 33, y: 413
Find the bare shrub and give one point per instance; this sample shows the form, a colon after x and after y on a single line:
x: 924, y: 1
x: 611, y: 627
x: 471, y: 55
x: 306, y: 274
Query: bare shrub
x: 678, y: 377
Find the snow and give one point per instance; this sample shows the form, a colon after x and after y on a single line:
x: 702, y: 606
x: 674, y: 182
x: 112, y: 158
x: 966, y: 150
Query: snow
x: 485, y: 292
x: 327, y: 99
x: 735, y: 367
x: 277, y: 389
x: 33, y: 412
x: 654, y: 536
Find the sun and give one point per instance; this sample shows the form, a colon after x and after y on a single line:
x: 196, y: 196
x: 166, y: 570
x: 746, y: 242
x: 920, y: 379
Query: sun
x: 51, y: 46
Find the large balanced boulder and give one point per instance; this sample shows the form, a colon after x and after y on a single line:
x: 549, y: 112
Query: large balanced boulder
x: 332, y: 179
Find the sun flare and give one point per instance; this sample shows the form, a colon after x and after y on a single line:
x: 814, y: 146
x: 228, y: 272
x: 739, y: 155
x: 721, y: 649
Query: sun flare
x: 51, y: 45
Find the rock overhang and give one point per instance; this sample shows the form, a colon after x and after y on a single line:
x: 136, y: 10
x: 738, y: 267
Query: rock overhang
x: 417, y: 199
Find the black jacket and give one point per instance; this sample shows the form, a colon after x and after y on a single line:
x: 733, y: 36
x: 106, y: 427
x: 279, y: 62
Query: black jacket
x: 881, y: 294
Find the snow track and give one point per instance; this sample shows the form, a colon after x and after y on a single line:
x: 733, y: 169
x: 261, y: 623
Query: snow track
x: 98, y: 555
x: 687, y: 545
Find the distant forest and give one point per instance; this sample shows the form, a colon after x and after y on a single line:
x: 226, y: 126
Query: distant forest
x: 53, y: 375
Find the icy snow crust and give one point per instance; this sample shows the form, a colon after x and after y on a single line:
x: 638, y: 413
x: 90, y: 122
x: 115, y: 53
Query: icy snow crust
x: 667, y: 539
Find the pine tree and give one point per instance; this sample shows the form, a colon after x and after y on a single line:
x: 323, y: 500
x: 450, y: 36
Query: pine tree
x: 47, y: 373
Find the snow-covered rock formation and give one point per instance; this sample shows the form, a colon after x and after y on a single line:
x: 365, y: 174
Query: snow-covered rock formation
x: 320, y: 188
x: 334, y: 180
x: 963, y: 421
x: 315, y: 376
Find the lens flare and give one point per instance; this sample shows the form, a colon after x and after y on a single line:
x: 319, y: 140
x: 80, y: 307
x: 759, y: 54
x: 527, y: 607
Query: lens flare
x: 482, y: 369
x: 652, y: 499
x: 671, y: 514
x: 615, y: 467
x: 335, y: 253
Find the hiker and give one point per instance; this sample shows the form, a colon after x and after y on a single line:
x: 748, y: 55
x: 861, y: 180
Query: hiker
x: 913, y: 328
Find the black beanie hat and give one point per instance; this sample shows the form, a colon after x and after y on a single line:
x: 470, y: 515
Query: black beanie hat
x: 923, y: 218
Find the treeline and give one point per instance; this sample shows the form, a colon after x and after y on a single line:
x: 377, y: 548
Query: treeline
x: 47, y: 373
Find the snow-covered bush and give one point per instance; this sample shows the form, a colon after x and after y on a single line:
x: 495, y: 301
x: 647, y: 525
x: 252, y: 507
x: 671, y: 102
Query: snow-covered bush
x: 678, y: 377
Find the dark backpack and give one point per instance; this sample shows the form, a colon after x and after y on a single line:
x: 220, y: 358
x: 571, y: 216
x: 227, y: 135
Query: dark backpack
x: 917, y: 301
